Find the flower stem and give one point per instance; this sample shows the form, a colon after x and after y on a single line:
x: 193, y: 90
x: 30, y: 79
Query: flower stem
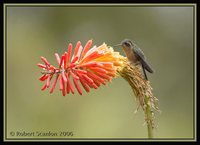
x: 143, y: 92
x: 149, y: 117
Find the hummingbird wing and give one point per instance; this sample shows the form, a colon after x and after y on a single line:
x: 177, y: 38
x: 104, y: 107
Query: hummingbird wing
x: 140, y: 55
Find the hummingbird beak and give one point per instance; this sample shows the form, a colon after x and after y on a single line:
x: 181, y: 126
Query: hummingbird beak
x: 117, y: 45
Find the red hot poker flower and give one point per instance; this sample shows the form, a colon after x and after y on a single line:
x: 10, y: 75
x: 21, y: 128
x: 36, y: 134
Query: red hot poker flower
x: 87, y: 67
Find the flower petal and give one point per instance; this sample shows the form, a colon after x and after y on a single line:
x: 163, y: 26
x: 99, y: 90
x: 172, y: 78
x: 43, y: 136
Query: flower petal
x: 87, y: 79
x: 62, y: 60
x: 48, y: 81
x: 77, y: 86
x: 44, y: 77
x: 41, y: 65
x: 90, y: 64
x: 75, y: 59
x: 54, y: 84
x: 79, y: 51
x: 65, y: 59
x: 86, y: 48
x: 84, y: 84
x: 78, y: 44
x: 63, y: 76
x: 57, y: 58
x: 105, y: 76
x: 74, y: 76
x: 98, y: 69
x: 69, y: 53
x: 63, y: 90
x: 45, y: 60
x: 61, y: 83
x: 95, y: 77
x: 69, y: 85
x: 44, y: 87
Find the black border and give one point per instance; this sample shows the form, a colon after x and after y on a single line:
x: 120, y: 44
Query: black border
x: 102, y: 5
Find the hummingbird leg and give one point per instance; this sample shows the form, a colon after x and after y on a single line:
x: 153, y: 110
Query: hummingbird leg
x: 145, y: 75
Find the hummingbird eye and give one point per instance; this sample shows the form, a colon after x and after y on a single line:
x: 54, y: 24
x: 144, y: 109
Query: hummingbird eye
x: 127, y: 44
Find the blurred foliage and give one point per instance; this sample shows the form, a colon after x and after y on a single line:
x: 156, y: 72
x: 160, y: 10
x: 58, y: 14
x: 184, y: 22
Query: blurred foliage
x: 165, y: 34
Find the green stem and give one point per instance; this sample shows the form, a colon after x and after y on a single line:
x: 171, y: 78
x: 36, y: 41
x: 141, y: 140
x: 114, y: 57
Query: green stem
x: 149, y: 117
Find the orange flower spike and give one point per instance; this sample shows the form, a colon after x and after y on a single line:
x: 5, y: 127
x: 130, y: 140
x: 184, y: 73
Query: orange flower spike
x: 89, y: 66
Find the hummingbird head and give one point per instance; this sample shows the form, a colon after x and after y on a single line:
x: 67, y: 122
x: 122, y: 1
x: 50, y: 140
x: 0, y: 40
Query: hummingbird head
x: 127, y: 44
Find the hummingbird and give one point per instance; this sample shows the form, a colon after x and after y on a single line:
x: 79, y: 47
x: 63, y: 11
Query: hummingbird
x: 135, y: 56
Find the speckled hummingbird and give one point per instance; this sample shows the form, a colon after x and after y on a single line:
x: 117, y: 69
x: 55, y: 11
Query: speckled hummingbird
x: 135, y: 55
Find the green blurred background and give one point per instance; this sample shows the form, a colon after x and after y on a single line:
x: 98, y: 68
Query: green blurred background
x: 165, y: 34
